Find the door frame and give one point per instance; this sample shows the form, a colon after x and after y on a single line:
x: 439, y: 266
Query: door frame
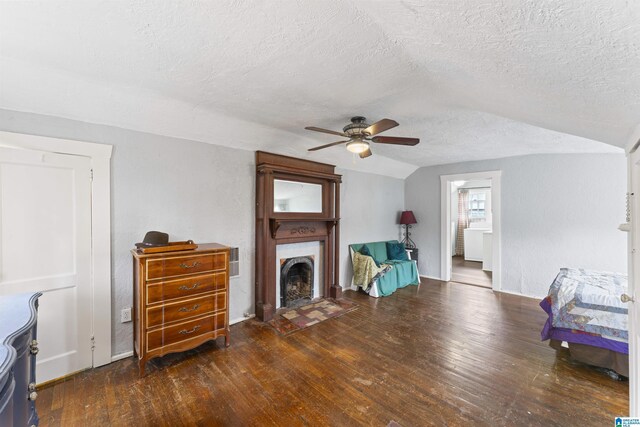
x: 445, y: 223
x: 633, y: 156
x: 100, y: 155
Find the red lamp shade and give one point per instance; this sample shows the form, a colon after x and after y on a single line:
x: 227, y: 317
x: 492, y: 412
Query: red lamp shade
x: 408, y: 218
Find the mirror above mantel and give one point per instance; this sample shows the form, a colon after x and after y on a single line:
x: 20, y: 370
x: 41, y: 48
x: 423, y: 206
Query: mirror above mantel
x: 296, y: 196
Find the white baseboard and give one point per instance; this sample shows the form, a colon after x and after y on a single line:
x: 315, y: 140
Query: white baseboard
x: 500, y: 291
x: 432, y: 278
x: 520, y: 294
x: 241, y: 319
x: 121, y: 356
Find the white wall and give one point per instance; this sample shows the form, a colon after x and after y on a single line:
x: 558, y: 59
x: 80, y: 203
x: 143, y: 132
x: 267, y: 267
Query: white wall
x: 370, y: 211
x: 188, y: 189
x: 202, y: 192
x: 559, y: 210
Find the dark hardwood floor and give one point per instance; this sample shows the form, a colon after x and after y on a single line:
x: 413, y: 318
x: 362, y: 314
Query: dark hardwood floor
x: 469, y: 272
x: 438, y: 354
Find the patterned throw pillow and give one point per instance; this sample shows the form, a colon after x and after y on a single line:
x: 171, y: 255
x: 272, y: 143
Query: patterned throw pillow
x: 364, y: 250
x: 397, y: 251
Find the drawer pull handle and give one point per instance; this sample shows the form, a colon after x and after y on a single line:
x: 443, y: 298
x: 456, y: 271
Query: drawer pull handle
x: 186, y: 310
x: 33, y: 347
x: 186, y: 288
x: 185, y: 332
x: 32, y: 392
x: 195, y: 264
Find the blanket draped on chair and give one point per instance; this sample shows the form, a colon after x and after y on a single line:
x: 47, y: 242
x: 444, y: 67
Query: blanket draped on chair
x: 365, y: 270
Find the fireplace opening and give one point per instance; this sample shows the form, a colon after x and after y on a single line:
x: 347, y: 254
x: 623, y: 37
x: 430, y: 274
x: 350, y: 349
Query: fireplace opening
x: 296, y: 281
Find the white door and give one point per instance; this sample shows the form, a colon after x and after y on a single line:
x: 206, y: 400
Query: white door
x: 634, y: 280
x: 45, y: 246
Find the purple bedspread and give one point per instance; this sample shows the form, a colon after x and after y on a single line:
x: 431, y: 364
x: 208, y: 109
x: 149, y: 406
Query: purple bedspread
x: 585, y: 307
x: 577, y: 336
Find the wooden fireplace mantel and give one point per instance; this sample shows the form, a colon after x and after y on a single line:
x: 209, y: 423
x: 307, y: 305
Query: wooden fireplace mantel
x: 300, y: 226
x: 273, y: 228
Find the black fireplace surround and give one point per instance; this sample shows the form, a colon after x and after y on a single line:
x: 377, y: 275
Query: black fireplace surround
x: 296, y: 281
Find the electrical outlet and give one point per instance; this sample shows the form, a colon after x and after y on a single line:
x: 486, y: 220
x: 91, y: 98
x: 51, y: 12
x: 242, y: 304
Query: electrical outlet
x: 125, y: 315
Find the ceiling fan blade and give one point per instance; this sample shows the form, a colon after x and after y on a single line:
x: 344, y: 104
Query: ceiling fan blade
x: 381, y: 126
x: 327, y: 145
x: 332, y: 132
x: 365, y: 153
x: 395, y: 140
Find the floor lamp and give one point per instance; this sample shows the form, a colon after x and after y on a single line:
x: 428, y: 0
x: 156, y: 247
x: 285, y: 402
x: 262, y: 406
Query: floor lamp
x: 407, y: 218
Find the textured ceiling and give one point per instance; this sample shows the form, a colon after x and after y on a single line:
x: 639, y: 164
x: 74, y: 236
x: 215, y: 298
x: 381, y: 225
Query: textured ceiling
x: 473, y: 79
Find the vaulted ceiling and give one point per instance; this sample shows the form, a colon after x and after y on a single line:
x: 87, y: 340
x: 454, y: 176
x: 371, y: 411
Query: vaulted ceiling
x: 472, y: 79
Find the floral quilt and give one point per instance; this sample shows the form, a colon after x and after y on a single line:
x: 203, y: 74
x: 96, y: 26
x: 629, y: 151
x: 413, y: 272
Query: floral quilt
x: 587, y: 303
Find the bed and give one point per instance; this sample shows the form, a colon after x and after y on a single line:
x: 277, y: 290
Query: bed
x: 586, y: 312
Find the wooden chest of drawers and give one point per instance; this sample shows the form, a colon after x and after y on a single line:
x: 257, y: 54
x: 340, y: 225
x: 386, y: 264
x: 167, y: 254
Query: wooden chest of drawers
x: 181, y: 300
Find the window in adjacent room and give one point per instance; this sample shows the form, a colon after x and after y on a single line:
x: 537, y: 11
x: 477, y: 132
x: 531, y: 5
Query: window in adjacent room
x: 477, y: 205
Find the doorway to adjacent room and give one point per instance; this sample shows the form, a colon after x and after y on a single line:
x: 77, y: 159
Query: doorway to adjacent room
x: 471, y: 232
x: 470, y: 210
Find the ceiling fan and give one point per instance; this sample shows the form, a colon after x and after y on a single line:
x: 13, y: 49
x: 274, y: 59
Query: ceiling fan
x: 360, y: 133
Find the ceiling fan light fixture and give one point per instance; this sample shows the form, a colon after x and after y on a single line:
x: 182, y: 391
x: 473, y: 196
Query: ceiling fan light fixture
x: 359, y: 133
x: 357, y: 146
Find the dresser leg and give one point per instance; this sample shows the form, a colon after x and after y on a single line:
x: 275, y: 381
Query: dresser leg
x: 141, y: 366
x: 227, y: 339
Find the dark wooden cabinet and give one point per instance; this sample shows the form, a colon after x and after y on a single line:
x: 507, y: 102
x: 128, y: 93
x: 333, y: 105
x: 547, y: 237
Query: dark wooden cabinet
x: 181, y: 300
x: 18, y: 349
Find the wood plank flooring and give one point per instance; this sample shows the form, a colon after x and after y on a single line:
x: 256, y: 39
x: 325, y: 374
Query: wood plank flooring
x: 437, y: 354
x: 469, y: 272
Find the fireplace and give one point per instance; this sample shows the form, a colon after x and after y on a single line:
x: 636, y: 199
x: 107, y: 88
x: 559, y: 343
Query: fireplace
x: 296, y: 281
x: 299, y: 224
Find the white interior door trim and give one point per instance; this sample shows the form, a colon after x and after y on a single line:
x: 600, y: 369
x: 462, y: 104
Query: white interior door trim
x: 445, y: 217
x: 633, y: 155
x: 100, y: 155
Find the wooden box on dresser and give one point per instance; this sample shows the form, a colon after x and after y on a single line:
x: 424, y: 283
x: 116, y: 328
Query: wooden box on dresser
x: 18, y: 349
x: 181, y: 300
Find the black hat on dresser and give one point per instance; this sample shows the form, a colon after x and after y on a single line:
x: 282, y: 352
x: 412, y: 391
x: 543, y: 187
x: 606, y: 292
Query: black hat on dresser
x: 153, y: 239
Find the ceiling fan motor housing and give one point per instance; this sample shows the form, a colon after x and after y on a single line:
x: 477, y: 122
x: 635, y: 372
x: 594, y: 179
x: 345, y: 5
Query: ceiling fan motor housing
x: 360, y: 133
x: 356, y: 127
